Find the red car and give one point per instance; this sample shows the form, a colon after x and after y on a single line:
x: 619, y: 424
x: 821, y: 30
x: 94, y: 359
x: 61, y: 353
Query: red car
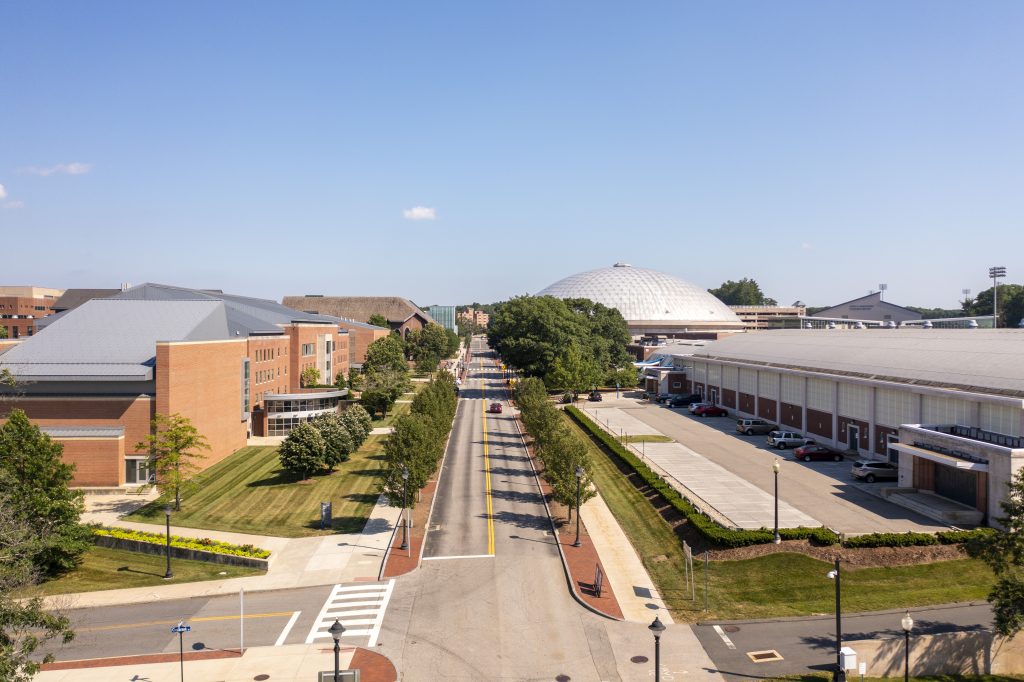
x: 815, y: 451
x: 495, y: 408
x: 711, y: 411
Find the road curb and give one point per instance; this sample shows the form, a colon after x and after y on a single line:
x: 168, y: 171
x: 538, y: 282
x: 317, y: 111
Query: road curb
x: 558, y: 541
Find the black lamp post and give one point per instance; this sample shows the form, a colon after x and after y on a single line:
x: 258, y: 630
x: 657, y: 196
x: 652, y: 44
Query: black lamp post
x: 657, y: 627
x: 405, y: 505
x: 167, y: 513
x: 775, y: 467
x: 908, y: 625
x: 839, y: 675
x: 579, y: 483
x: 337, y: 630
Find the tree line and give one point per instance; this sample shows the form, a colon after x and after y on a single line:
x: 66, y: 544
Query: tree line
x: 416, y: 445
x: 561, y: 451
x: 324, y: 442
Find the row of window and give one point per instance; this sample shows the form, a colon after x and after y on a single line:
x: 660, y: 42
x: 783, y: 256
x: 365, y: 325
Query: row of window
x: 263, y: 354
x: 301, y: 404
x: 265, y: 375
x: 282, y: 426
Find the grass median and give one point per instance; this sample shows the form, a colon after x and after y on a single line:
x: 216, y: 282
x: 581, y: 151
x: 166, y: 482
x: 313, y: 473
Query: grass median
x: 783, y: 584
x: 249, y: 492
x: 103, y: 568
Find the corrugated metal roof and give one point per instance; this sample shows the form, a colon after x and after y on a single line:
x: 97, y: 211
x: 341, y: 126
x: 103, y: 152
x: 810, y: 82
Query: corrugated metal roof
x: 82, y: 431
x: 982, y: 360
x: 395, y: 308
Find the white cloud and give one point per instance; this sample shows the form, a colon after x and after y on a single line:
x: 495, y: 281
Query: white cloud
x: 420, y: 213
x: 806, y: 246
x: 15, y: 204
x: 61, y: 168
x: 3, y: 192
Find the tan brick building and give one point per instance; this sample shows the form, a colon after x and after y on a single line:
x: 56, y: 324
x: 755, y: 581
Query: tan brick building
x: 402, y: 315
x: 21, y: 308
x: 102, y: 370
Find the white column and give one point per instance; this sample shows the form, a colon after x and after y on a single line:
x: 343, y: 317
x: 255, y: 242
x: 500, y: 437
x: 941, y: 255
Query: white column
x: 871, y: 422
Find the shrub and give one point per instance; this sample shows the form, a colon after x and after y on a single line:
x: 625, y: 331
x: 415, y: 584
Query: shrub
x: 891, y: 540
x: 204, y: 544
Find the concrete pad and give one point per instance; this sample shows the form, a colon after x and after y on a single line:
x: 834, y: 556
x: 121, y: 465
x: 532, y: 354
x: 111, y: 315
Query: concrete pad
x: 617, y: 421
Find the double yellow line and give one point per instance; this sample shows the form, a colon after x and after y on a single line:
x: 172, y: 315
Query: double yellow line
x: 487, y: 469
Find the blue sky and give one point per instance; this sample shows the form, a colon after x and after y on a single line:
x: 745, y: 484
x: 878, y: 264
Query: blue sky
x: 273, y: 149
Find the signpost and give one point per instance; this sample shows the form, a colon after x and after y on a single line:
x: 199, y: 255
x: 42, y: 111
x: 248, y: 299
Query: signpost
x: 181, y: 629
x: 325, y: 515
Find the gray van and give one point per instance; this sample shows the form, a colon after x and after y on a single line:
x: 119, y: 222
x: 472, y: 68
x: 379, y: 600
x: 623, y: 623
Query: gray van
x: 749, y: 427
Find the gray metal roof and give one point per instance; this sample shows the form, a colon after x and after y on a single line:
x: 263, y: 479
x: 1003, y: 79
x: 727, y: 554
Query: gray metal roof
x: 111, y: 339
x: 83, y: 431
x: 72, y: 298
x: 981, y: 360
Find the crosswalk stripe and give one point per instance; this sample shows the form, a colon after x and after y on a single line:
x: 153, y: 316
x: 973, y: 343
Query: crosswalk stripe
x: 356, y: 607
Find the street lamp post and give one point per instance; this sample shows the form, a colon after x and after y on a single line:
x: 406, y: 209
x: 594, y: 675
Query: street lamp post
x: 579, y: 484
x: 840, y: 674
x: 337, y: 630
x: 657, y: 627
x: 775, y: 467
x: 908, y: 625
x: 167, y: 513
x: 995, y: 273
x: 405, y: 505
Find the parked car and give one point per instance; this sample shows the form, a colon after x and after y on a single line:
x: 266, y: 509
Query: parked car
x: 662, y: 397
x: 815, y: 451
x: 711, y: 411
x: 684, y: 400
x: 495, y: 408
x: 875, y: 471
x: 595, y: 396
x: 787, y: 439
x: 694, y: 406
x: 749, y: 427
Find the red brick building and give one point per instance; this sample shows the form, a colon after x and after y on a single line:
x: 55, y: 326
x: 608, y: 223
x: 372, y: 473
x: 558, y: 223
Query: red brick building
x: 101, y: 371
x: 21, y: 308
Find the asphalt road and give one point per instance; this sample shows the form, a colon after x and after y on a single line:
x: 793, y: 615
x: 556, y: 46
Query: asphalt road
x: 146, y: 628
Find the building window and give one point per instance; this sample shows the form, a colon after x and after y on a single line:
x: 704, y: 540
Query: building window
x: 245, y: 388
x: 308, y: 349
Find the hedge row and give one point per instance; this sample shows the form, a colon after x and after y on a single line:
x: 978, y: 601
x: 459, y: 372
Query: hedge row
x: 741, y: 538
x: 708, y: 528
x: 202, y: 544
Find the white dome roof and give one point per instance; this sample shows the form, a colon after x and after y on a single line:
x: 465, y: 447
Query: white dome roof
x: 644, y: 295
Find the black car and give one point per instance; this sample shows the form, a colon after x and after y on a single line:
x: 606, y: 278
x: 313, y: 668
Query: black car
x: 662, y: 397
x: 595, y: 396
x: 685, y: 400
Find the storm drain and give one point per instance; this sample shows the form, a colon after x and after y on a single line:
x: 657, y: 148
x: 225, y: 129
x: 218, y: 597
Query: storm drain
x: 764, y: 656
x: 435, y: 527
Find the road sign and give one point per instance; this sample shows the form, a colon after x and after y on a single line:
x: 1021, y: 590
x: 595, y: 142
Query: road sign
x: 180, y: 628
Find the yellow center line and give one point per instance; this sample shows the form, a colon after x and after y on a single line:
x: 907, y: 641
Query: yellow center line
x: 487, y: 470
x: 122, y: 626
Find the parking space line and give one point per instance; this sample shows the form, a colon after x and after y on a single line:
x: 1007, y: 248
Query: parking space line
x: 725, y: 637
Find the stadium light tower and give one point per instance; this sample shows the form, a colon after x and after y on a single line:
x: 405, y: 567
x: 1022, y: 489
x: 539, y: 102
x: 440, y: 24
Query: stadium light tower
x: 995, y: 273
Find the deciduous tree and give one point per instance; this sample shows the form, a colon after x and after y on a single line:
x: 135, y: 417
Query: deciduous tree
x: 310, y: 376
x: 378, y: 320
x: 338, y: 443
x: 174, y: 447
x: 744, y: 292
x: 303, y: 451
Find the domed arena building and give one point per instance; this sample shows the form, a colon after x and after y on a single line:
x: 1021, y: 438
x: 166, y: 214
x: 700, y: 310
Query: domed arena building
x: 653, y: 303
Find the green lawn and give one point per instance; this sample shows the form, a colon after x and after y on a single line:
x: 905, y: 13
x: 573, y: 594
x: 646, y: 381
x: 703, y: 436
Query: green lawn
x: 786, y: 584
x: 110, y: 569
x: 648, y: 438
x: 249, y: 492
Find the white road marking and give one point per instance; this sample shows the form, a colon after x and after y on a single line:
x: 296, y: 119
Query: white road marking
x: 462, y: 556
x: 287, y: 629
x: 360, y: 608
x: 725, y: 637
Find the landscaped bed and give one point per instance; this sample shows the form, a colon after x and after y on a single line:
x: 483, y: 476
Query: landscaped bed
x: 197, y: 544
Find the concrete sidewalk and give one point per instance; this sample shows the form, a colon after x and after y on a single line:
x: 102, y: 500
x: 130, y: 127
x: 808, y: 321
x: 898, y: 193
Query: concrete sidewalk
x: 295, y: 562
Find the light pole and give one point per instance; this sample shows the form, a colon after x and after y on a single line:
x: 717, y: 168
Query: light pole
x: 405, y: 504
x: 579, y: 484
x: 167, y: 513
x: 657, y: 627
x: 337, y: 630
x: 995, y: 273
x: 775, y: 467
x: 908, y: 625
x: 840, y: 674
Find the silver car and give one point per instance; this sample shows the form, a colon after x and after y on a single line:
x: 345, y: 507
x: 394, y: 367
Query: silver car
x: 875, y: 471
x: 787, y: 439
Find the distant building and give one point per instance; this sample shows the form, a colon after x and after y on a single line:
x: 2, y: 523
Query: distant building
x: 231, y: 364
x: 770, y: 316
x: 444, y: 315
x: 475, y: 317
x: 402, y: 315
x: 22, y: 308
x: 869, y: 308
x: 72, y: 298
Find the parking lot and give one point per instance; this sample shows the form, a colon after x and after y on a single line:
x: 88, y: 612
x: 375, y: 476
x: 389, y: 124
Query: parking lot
x: 823, y: 490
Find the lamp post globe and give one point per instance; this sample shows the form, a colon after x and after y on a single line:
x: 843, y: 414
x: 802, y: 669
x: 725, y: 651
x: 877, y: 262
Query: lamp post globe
x: 908, y: 624
x: 656, y: 628
x: 337, y: 630
x: 776, y: 466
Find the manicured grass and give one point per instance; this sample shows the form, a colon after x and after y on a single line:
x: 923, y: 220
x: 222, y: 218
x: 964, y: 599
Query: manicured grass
x: 649, y: 438
x: 785, y: 584
x: 249, y: 492
x: 110, y: 569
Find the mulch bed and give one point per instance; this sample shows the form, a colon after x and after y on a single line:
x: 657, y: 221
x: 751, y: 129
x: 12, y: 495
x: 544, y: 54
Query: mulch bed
x: 401, y: 561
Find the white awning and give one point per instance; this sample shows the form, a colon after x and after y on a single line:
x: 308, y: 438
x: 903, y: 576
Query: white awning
x: 948, y: 460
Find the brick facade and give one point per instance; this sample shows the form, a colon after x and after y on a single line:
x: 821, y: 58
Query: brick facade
x: 99, y: 462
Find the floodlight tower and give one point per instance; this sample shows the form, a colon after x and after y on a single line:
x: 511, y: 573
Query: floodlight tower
x: 995, y: 273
